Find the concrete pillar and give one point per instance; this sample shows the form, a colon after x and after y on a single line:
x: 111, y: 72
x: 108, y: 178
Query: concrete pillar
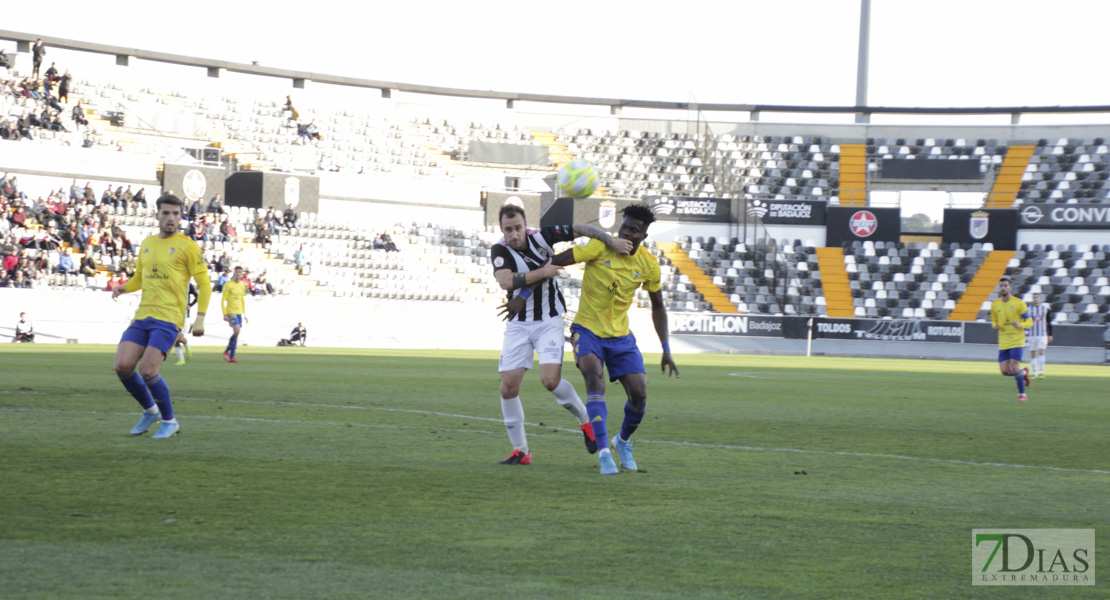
x: 215, y: 72
x: 123, y: 60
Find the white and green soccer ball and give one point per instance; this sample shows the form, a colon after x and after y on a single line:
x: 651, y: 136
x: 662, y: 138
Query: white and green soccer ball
x: 577, y: 179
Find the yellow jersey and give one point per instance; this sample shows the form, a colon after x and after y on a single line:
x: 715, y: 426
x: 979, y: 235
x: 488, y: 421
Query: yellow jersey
x: 233, y: 294
x: 162, y: 271
x: 609, y: 285
x: 1003, y: 315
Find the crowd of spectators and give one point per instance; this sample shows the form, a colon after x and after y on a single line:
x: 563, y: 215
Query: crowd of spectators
x: 39, y: 236
x: 48, y: 96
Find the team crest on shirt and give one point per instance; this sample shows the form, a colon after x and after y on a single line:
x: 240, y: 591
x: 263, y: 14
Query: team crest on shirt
x: 172, y: 250
x: 499, y: 261
x: 635, y: 274
x: 979, y: 224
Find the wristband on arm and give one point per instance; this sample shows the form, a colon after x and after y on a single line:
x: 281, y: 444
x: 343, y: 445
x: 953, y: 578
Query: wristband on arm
x: 666, y: 347
x: 198, y: 323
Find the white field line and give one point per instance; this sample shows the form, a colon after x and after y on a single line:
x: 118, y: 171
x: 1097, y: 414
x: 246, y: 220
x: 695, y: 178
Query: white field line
x: 950, y: 461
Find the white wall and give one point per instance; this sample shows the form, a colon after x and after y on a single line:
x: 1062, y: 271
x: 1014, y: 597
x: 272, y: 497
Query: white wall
x: 90, y: 163
x: 1063, y: 236
x: 379, y: 215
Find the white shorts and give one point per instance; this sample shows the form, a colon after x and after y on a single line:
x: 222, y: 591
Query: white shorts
x: 522, y: 338
x: 1039, y: 342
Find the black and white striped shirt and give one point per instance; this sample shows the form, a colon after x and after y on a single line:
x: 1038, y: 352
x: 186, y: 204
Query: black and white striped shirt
x: 547, y: 301
x: 1042, y: 320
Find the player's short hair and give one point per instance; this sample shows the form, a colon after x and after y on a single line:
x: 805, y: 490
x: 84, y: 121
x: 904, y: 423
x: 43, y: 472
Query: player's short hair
x: 640, y: 212
x: 1005, y: 278
x: 510, y: 210
x: 168, y: 199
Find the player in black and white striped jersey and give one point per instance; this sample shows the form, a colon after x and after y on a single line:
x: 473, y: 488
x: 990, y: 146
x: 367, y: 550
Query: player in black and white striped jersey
x: 522, y: 267
x: 1040, y: 335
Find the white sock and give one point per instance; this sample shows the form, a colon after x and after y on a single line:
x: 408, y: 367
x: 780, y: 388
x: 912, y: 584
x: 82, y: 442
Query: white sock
x: 1040, y: 364
x: 568, y: 399
x: 180, y: 352
x: 153, y: 410
x: 513, y: 411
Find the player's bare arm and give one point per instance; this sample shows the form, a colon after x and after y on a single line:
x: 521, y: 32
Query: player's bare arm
x: 659, y: 319
x: 564, y: 259
x: 622, y: 247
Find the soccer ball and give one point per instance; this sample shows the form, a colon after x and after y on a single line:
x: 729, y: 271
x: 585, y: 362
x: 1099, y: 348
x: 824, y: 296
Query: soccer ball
x: 577, y: 178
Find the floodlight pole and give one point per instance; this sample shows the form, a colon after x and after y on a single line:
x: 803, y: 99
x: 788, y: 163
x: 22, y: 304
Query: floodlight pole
x: 861, y: 65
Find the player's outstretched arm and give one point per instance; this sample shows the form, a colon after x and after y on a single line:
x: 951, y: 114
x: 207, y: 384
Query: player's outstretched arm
x: 622, y: 247
x: 659, y: 319
x: 563, y: 259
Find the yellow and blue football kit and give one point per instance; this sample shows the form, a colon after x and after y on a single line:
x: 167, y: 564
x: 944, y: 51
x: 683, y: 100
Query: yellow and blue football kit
x: 162, y: 271
x: 1003, y: 316
x: 232, y: 300
x: 609, y: 286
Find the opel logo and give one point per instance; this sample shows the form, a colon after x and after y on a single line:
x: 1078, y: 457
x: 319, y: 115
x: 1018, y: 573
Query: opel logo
x: 1031, y: 214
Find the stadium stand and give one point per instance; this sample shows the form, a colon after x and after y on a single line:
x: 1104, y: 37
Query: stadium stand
x: 447, y: 262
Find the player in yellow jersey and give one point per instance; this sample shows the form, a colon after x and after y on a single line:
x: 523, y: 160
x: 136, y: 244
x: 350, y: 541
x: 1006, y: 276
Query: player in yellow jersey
x: 1010, y: 317
x: 234, y: 311
x: 166, y: 262
x: 600, y: 331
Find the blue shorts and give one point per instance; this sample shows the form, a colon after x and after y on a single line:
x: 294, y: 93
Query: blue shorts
x: 152, y: 332
x: 1009, y: 354
x: 620, y: 355
x: 236, y: 320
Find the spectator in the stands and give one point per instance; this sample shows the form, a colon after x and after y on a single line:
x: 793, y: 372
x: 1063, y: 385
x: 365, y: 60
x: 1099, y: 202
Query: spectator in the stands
x: 227, y: 229
x: 65, y: 263
x: 195, y: 210
x: 261, y: 286
x: 128, y: 196
x: 108, y: 197
x: 127, y: 266
x: 12, y: 191
x: 262, y: 237
x: 51, y: 74
x: 273, y: 221
x: 223, y: 263
x: 300, y: 258
x: 199, y: 229
x: 259, y: 220
x: 19, y: 280
x: 9, y: 130
x: 5, y: 64
x: 289, y: 218
x: 76, y: 192
x: 215, y: 205
x: 113, y: 283
x: 38, y: 51
x: 88, y: 266
x: 23, y: 126
x: 140, y: 198
x: 90, y: 195
x: 63, y: 87
x: 293, y: 114
x: 312, y: 132
x: 18, y: 218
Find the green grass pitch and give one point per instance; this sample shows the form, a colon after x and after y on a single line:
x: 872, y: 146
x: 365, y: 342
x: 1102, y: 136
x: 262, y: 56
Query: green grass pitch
x: 314, y: 473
